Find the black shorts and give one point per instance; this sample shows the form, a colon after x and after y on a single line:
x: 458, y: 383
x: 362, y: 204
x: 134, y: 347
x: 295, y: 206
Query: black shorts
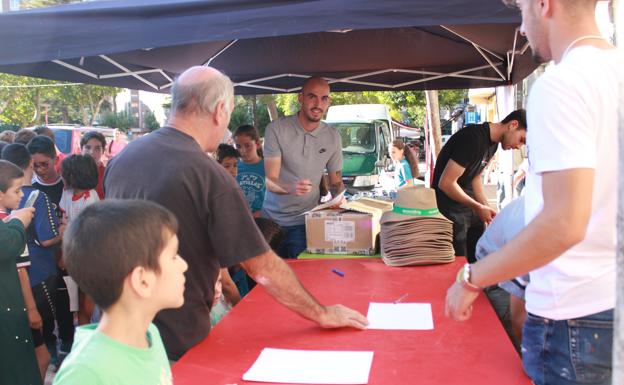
x: 44, y: 294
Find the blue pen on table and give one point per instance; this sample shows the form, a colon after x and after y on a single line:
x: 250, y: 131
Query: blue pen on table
x: 338, y: 272
x: 401, y: 298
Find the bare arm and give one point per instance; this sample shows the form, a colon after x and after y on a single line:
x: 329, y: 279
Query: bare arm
x: 34, y: 318
x: 448, y: 184
x: 479, y: 191
x: 281, y: 283
x: 336, y: 185
x: 272, y: 166
x: 567, y: 205
x: 230, y: 291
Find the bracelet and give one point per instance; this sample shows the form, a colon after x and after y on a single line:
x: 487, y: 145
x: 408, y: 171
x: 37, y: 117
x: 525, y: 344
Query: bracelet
x: 463, y: 278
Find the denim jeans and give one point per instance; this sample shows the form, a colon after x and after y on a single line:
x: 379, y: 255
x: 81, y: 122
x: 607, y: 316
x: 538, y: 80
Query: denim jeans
x: 574, y: 351
x: 294, y: 241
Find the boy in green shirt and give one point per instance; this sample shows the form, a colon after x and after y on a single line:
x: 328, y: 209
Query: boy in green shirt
x: 124, y: 255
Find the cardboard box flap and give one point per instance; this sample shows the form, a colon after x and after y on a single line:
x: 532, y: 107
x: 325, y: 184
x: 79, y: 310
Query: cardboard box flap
x: 333, y: 202
x: 376, y: 207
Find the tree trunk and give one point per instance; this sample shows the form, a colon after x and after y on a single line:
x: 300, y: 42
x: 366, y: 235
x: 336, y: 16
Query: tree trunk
x: 434, y: 111
x: 254, y: 110
x: 37, y: 103
x: 272, y: 108
x: 97, y: 109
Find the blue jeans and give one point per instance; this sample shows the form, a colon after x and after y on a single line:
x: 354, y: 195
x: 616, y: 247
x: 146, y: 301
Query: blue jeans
x: 294, y: 241
x: 575, y: 351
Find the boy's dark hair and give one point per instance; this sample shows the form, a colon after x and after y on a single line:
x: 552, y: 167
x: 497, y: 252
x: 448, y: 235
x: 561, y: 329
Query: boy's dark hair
x: 45, y: 131
x: 79, y: 172
x: 272, y: 232
x: 41, y: 144
x: 226, y: 151
x: 93, y: 135
x: 24, y: 136
x: 8, y: 173
x: 109, y: 239
x: 17, y: 154
x: 3, y: 144
x: 520, y: 116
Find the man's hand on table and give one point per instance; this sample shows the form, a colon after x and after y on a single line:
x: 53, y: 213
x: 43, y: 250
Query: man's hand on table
x: 336, y: 316
x: 459, y: 302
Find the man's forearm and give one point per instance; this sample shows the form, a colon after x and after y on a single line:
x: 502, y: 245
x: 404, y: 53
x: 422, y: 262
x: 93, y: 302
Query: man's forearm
x: 526, y: 252
x: 276, y: 186
x: 281, y: 283
x: 336, y: 188
x: 456, y: 193
x: 479, y: 191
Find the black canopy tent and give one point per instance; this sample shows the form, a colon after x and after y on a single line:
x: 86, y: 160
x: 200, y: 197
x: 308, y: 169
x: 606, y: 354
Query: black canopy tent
x: 269, y: 46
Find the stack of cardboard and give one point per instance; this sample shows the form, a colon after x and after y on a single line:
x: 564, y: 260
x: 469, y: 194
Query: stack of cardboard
x: 414, y: 232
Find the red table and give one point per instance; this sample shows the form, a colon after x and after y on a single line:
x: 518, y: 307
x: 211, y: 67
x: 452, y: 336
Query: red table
x: 473, y: 352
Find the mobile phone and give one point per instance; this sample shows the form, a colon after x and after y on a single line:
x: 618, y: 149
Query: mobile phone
x: 31, y: 198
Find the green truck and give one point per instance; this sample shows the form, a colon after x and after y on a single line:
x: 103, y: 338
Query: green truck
x: 366, y: 131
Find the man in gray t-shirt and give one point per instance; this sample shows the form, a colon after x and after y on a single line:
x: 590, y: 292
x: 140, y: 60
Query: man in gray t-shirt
x: 298, y: 149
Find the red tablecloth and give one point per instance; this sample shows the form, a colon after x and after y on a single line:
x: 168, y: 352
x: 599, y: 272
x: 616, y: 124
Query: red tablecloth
x: 473, y: 352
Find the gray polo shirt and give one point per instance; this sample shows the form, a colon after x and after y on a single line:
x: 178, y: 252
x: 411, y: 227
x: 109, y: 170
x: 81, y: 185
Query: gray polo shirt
x: 305, y: 155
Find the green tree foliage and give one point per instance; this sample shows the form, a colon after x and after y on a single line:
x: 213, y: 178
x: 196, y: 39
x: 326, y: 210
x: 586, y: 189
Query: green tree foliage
x: 405, y: 106
x: 150, y: 122
x: 121, y: 120
x: 243, y: 113
x: 24, y: 101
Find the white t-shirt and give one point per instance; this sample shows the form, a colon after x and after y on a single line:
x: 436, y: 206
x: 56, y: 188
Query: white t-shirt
x: 573, y: 123
x: 73, y: 206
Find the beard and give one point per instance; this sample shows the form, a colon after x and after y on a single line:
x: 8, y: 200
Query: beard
x: 309, y: 115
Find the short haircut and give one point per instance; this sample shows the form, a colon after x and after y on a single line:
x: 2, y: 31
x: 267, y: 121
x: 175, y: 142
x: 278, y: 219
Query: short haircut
x: 79, y: 172
x: 272, y: 232
x: 24, y: 136
x: 8, y: 173
x: 520, y: 116
x: 111, y: 238
x: 201, y: 96
x: 41, y: 144
x: 45, y: 131
x: 226, y: 151
x: 93, y: 135
x: 3, y: 144
x: 312, y: 79
x: 17, y: 154
x: 7, y: 136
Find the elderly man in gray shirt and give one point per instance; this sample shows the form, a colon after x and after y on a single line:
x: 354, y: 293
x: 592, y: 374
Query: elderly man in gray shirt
x: 298, y: 149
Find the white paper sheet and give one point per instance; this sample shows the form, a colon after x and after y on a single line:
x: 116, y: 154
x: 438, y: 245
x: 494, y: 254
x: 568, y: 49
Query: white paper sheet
x: 311, y: 367
x: 400, y: 316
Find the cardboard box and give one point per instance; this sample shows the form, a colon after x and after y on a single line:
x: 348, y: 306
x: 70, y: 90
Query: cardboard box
x: 352, y: 229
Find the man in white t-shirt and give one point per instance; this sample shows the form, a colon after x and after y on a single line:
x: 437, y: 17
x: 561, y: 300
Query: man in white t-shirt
x: 569, y: 243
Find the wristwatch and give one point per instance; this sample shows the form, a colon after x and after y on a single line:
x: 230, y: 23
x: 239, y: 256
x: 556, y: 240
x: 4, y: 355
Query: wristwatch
x: 463, y: 278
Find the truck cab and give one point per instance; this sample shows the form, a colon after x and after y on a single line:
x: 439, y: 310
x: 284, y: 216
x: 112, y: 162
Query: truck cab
x: 366, y: 133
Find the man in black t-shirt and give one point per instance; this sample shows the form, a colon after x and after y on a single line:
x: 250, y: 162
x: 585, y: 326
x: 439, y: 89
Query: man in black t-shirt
x: 216, y: 228
x: 457, y: 176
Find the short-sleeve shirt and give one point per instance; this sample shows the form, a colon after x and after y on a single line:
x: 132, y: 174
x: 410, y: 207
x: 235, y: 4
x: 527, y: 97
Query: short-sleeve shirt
x: 215, y: 229
x: 54, y: 191
x: 574, y: 108
x: 304, y: 155
x: 471, y: 148
x: 43, y: 227
x: 403, y: 173
x: 97, y: 359
x: 251, y: 180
